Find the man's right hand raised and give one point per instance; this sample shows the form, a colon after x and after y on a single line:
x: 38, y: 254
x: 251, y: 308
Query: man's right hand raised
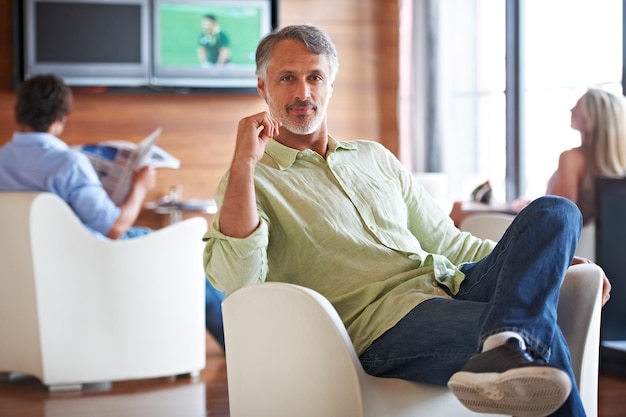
x: 238, y: 215
x: 253, y: 133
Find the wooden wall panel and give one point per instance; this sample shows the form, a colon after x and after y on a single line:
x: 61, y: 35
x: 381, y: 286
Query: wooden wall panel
x: 200, y: 129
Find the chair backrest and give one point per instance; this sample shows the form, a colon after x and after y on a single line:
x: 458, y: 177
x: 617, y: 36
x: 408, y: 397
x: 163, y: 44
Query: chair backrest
x: 487, y: 225
x: 610, y: 251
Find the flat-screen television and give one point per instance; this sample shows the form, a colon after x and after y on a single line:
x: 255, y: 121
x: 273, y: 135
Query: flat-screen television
x: 207, y: 43
x: 88, y: 42
x: 156, y: 45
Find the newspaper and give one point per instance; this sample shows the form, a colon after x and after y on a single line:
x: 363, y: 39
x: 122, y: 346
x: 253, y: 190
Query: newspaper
x: 116, y: 160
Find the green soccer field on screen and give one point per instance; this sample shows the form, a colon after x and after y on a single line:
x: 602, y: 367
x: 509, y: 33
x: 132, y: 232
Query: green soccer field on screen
x: 180, y: 29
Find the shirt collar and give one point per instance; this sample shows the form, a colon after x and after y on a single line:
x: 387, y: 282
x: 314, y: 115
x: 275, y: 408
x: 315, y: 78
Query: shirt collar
x: 38, y: 139
x: 285, y: 156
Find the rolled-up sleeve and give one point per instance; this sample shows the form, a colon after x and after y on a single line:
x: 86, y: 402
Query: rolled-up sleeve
x: 231, y: 263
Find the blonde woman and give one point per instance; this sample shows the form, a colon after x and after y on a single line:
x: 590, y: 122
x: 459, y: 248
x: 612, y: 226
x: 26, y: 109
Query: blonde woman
x: 600, y: 117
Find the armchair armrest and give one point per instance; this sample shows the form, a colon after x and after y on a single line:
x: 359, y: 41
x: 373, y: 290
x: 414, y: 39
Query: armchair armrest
x: 579, y: 312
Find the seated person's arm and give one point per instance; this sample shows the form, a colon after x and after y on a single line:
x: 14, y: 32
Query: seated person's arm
x: 235, y: 253
x: 238, y: 215
x: 202, y: 55
x: 144, y: 180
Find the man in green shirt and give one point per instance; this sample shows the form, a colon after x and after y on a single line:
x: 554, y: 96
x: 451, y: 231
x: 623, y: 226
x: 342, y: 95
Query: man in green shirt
x: 421, y: 300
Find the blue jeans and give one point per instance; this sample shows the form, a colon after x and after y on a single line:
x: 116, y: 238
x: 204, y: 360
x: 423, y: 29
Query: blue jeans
x: 213, y: 297
x: 515, y: 288
x: 136, y: 231
x: 213, y: 314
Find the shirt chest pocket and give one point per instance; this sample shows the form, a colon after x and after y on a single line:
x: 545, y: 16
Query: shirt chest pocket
x: 380, y: 202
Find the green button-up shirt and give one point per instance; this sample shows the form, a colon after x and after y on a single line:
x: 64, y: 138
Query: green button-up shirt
x: 356, y: 227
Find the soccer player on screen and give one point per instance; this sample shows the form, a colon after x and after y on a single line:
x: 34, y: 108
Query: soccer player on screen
x: 213, y: 45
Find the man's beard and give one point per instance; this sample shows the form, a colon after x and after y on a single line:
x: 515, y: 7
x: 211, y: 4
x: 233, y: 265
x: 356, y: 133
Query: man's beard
x: 304, y: 124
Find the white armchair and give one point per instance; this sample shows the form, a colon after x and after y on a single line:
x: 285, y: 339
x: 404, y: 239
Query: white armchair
x: 288, y: 354
x: 78, y: 309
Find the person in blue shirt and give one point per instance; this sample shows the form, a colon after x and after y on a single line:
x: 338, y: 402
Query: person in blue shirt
x: 37, y: 160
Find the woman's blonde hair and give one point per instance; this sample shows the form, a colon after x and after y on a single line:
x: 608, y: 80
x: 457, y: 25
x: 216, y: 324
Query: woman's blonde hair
x: 606, y: 140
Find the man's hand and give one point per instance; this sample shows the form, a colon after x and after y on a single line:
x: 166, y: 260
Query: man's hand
x: 606, y: 284
x: 145, y: 178
x: 253, y: 133
x: 238, y: 215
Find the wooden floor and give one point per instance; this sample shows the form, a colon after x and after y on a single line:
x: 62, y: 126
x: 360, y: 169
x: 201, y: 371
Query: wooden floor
x: 611, y: 396
x: 164, y: 397
x: 158, y: 397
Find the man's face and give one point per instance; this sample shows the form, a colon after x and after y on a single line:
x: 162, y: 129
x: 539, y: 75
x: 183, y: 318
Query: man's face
x: 207, y: 25
x: 298, y: 87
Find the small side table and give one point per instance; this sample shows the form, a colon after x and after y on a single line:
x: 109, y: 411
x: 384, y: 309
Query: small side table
x: 173, y: 205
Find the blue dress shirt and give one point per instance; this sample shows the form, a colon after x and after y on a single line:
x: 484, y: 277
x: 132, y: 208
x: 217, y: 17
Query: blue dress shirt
x: 37, y: 161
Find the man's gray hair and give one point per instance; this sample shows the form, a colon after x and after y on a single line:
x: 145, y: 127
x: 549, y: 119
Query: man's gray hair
x: 315, y: 40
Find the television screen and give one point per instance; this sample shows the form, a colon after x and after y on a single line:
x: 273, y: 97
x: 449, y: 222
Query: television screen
x: 208, y: 43
x: 149, y: 45
x: 88, y: 42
